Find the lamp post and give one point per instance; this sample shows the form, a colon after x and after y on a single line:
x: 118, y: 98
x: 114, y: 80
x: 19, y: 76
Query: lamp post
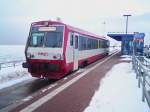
x: 126, y: 15
x: 125, y: 47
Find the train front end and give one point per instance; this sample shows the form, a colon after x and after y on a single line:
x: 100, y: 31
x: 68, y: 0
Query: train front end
x: 44, y: 51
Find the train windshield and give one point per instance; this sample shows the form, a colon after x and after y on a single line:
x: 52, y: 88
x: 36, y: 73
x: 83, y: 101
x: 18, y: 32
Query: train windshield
x: 37, y: 39
x: 53, y: 39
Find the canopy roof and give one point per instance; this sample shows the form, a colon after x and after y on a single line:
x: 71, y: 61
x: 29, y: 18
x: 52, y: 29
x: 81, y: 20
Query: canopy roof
x: 118, y: 35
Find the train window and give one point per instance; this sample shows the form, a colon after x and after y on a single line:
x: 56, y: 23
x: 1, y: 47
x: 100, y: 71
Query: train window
x: 96, y: 44
x: 92, y: 44
x: 89, y: 45
x: 108, y: 43
x: 100, y: 45
x: 71, y: 39
x: 54, y: 39
x: 76, y: 42
x: 82, y: 43
x: 37, y: 39
x: 103, y: 43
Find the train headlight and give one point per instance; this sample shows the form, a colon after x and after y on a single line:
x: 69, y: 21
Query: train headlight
x: 57, y: 56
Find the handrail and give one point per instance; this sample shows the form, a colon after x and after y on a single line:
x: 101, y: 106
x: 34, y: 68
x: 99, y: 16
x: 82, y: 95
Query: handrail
x: 143, y: 75
x: 144, y: 61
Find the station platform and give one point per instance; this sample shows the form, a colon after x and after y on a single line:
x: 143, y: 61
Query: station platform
x: 70, y: 94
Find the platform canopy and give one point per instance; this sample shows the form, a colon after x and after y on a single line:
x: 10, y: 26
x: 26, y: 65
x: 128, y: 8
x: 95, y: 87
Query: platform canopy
x: 119, y: 35
x: 127, y: 41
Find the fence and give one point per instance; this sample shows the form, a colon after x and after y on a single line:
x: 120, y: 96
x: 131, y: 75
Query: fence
x: 11, y: 64
x: 142, y: 69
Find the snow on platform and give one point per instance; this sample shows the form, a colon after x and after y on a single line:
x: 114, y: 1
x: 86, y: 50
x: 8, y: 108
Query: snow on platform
x: 118, y: 92
x: 126, y: 58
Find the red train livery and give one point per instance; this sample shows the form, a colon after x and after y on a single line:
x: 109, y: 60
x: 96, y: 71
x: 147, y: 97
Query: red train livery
x: 54, y: 49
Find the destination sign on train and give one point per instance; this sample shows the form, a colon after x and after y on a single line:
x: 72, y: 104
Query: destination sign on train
x: 47, y: 28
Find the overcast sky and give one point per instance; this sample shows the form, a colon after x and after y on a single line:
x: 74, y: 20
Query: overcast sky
x: 17, y: 15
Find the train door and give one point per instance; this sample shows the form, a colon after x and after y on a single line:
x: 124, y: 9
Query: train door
x: 75, y: 51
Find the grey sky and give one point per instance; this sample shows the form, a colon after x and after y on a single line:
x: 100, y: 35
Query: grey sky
x: 16, y: 16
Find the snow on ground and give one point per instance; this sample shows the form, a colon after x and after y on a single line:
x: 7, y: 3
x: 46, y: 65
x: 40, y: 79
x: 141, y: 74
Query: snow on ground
x: 126, y: 58
x: 11, y: 76
x: 118, y: 92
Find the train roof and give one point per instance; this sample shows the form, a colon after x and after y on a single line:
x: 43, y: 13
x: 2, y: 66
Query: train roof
x: 78, y: 30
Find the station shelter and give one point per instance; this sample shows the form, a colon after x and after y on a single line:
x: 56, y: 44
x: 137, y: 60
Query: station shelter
x: 129, y: 42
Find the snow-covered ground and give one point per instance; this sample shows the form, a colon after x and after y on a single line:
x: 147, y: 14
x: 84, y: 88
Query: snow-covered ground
x: 118, y: 92
x: 126, y: 58
x: 12, y: 75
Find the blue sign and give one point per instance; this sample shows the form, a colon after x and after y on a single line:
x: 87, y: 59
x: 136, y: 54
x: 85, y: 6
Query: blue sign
x: 139, y: 35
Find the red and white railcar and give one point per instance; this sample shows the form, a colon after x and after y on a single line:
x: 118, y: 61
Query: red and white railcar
x: 54, y: 49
